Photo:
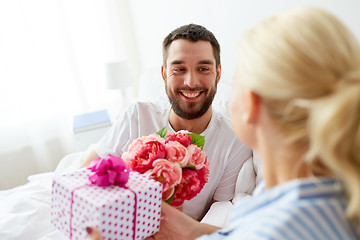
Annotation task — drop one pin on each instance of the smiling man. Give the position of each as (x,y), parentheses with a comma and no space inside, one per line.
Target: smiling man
(191,71)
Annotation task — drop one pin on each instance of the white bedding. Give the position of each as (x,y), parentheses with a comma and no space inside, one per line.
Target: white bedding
(25,210)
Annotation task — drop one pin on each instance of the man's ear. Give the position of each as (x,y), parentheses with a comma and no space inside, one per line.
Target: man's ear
(163,73)
(253,102)
(218,73)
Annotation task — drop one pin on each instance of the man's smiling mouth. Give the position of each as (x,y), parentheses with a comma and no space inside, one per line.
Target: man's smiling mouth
(191,94)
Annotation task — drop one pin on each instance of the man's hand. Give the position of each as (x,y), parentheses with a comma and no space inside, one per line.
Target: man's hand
(91,156)
(93,234)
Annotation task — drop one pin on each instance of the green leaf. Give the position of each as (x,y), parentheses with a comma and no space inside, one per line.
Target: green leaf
(197,139)
(192,167)
(169,200)
(162,132)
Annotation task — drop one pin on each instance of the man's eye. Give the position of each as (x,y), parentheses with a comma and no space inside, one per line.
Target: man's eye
(179,69)
(204,69)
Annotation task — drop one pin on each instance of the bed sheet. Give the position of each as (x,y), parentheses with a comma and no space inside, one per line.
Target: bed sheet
(25,210)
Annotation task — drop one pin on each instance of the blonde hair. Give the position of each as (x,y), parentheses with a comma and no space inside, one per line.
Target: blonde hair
(305,65)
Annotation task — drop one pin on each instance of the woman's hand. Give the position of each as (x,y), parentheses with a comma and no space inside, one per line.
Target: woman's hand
(174,225)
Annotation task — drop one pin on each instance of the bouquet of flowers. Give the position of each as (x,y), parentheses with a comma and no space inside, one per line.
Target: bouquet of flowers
(174,159)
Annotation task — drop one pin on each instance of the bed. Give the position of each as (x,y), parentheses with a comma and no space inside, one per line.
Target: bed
(25,210)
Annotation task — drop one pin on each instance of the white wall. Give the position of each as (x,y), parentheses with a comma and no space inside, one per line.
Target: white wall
(227,19)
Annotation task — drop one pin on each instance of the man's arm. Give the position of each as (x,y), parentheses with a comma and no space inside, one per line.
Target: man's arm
(236,164)
(91,156)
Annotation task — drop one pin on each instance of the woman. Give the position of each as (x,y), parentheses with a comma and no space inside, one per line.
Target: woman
(296,101)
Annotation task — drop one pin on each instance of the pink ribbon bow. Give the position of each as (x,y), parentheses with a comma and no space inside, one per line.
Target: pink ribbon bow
(109,171)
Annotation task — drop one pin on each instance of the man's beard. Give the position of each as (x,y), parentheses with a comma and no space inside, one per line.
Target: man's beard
(189,115)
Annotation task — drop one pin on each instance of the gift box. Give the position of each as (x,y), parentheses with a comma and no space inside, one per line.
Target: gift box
(128,212)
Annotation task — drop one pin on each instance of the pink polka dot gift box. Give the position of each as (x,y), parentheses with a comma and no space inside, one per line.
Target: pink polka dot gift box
(120,203)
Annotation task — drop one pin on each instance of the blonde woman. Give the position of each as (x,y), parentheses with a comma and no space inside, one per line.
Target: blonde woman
(296,101)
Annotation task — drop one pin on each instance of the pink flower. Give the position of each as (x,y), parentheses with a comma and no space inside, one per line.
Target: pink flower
(191,184)
(180,166)
(179,137)
(177,153)
(197,157)
(143,152)
(168,173)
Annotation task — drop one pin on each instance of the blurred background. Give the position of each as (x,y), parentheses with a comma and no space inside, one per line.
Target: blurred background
(61,58)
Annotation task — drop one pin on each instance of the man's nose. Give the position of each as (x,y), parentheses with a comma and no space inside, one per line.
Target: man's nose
(191,79)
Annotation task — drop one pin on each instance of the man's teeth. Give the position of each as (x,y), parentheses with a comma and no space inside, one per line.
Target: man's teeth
(191,95)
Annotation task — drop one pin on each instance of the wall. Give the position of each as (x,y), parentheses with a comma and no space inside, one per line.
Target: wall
(227,19)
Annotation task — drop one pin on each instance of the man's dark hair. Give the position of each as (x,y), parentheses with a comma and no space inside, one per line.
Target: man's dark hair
(192,32)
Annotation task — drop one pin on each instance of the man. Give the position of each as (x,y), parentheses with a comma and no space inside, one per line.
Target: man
(191,71)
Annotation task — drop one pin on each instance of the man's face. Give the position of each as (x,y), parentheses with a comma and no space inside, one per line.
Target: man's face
(190,77)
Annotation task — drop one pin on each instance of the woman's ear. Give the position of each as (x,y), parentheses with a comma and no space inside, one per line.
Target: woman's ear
(252,106)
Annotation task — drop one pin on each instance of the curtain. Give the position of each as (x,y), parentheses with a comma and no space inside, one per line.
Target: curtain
(53,55)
